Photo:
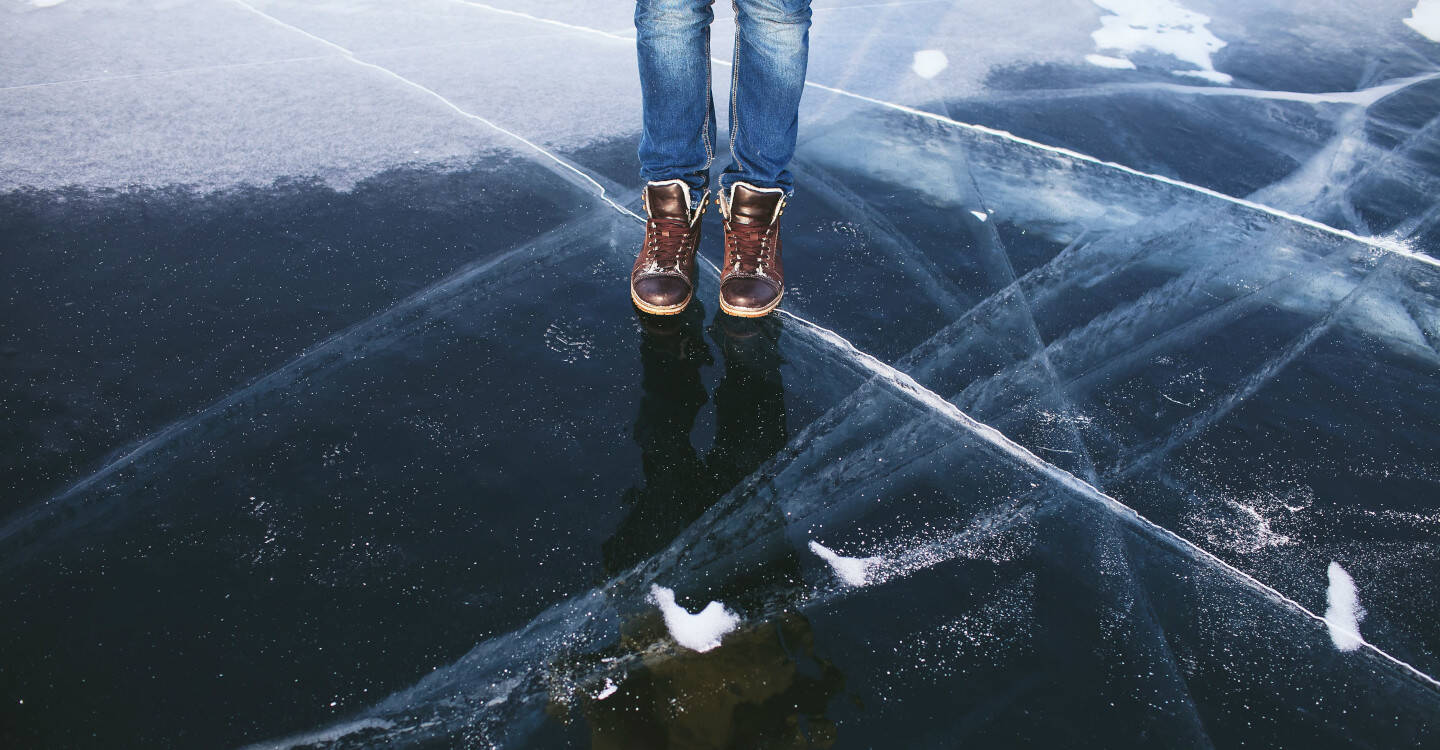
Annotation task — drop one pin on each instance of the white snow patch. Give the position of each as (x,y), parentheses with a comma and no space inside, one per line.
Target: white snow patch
(1343,612)
(1425,18)
(608,690)
(929,62)
(981,215)
(697,632)
(1162,26)
(45,3)
(1106,61)
(854,571)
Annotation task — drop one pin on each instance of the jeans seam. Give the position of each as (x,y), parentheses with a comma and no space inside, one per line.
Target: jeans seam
(705,131)
(734,98)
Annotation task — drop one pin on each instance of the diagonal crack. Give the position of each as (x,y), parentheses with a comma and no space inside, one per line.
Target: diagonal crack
(562,166)
(1140,458)
(341,347)
(909,259)
(1384,244)
(907,387)
(913,391)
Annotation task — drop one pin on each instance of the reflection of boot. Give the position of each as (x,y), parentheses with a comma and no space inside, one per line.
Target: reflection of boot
(749,402)
(764,687)
(672,350)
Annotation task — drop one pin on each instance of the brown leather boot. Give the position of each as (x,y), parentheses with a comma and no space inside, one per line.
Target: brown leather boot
(662,281)
(752,279)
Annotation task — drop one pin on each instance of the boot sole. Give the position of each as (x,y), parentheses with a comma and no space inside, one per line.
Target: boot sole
(653,310)
(751,312)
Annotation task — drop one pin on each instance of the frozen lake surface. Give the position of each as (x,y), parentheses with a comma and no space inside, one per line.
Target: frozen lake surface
(1103,409)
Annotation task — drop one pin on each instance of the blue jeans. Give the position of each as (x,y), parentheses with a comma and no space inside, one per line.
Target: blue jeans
(772,44)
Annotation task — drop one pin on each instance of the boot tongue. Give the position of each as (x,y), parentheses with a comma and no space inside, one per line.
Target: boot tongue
(753,206)
(669,200)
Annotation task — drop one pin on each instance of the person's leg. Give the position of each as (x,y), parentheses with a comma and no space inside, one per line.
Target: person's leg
(672,39)
(772,45)
(677,145)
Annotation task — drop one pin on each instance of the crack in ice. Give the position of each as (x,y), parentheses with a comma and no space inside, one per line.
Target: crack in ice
(888,375)
(1032,329)
(583,176)
(287,373)
(1250,385)
(1387,245)
(914,263)
(908,387)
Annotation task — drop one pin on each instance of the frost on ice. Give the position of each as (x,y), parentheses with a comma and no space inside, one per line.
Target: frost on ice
(854,571)
(1343,612)
(697,632)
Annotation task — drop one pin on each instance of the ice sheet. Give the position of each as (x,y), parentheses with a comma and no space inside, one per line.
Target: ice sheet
(1124,381)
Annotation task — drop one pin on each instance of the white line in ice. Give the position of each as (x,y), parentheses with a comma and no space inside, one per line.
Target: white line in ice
(1387,245)
(829,8)
(1175,401)
(1379,243)
(550,21)
(604,196)
(1362,97)
(286,373)
(252,64)
(180,426)
(897,378)
(924,396)
(1129,464)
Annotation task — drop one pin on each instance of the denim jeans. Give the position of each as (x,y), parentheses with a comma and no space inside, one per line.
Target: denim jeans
(772,44)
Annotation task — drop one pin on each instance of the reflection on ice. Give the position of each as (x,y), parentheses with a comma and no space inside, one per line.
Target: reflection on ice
(765,522)
(765,687)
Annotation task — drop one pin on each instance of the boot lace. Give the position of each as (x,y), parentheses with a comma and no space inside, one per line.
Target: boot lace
(666,240)
(749,246)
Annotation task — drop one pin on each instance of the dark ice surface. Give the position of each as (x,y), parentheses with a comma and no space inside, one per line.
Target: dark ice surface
(329,423)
